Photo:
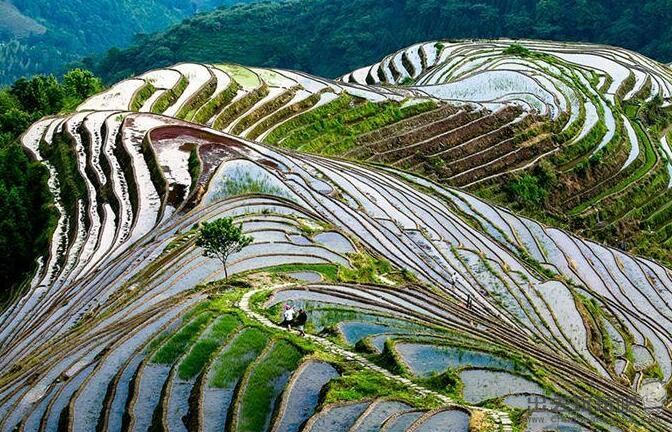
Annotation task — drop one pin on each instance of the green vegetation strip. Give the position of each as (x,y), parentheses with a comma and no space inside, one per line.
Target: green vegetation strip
(338,133)
(365,384)
(216,104)
(331,129)
(245,183)
(61,153)
(364,269)
(194,166)
(169,97)
(178,344)
(261,390)
(650,161)
(199,99)
(242,350)
(328,271)
(242,105)
(141,96)
(206,346)
(283,114)
(260,112)
(309,118)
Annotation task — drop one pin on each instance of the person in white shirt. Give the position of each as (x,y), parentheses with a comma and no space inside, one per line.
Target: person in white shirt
(288,317)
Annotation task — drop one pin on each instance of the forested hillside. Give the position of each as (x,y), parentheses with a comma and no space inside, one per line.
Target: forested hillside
(27,214)
(41,36)
(199,203)
(330,37)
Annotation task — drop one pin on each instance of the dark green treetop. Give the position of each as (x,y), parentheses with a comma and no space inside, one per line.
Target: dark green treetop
(222,238)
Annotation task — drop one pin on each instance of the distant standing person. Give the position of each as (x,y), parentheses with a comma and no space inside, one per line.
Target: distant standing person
(300,321)
(453,279)
(287,317)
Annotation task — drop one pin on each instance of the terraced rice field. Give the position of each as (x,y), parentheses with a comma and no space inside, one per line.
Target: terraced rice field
(476,114)
(127,326)
(592,132)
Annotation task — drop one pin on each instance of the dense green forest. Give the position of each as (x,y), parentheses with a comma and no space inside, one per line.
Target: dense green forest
(41,36)
(331,37)
(27,215)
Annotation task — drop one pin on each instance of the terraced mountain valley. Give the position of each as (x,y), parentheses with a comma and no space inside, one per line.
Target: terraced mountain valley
(480,232)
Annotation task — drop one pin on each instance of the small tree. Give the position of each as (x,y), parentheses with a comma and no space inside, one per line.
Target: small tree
(221,238)
(81,83)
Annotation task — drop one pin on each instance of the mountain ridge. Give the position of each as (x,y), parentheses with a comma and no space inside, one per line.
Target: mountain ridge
(54,33)
(335,40)
(425,301)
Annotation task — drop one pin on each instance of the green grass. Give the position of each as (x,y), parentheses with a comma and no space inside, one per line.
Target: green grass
(206,346)
(305,120)
(367,269)
(447,382)
(328,271)
(217,103)
(243,183)
(262,111)
(390,360)
(237,108)
(141,96)
(178,344)
(356,385)
(242,75)
(261,390)
(169,97)
(242,350)
(328,130)
(197,100)
(283,114)
(336,135)
(654,371)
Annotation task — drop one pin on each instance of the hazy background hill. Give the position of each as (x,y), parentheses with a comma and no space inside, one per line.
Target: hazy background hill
(331,37)
(326,37)
(38,36)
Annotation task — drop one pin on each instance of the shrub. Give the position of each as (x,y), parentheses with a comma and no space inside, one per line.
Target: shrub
(446,382)
(526,191)
(194,166)
(518,50)
(533,188)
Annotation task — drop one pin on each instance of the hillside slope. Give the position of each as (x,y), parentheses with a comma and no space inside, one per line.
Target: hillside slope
(331,37)
(430,308)
(14,24)
(42,36)
(575,135)
(602,164)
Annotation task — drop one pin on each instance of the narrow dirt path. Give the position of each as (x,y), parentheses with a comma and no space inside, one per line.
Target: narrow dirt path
(501,417)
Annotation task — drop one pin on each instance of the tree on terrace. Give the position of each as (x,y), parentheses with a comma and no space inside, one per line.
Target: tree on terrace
(222,238)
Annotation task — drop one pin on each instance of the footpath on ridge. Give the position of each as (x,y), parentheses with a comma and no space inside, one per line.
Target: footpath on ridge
(330,347)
